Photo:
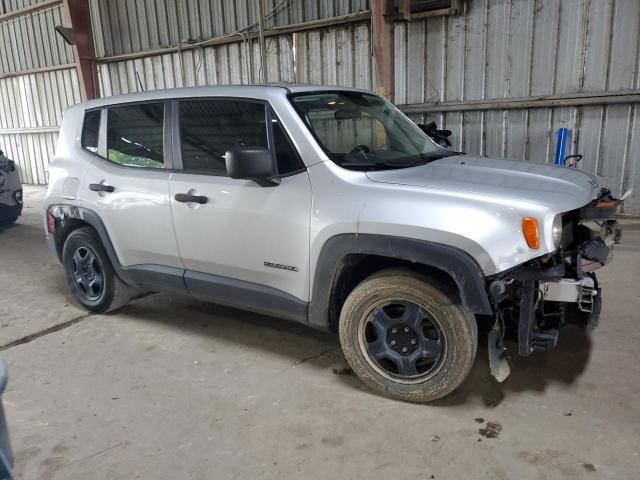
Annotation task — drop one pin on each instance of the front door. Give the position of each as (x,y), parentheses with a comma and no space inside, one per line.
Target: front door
(244,232)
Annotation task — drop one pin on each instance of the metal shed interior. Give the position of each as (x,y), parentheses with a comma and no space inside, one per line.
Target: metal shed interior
(503,75)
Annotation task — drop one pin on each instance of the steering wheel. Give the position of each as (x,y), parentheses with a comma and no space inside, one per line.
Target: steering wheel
(360,148)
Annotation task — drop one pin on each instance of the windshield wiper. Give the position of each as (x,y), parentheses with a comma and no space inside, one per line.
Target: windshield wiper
(423,159)
(437,156)
(372,164)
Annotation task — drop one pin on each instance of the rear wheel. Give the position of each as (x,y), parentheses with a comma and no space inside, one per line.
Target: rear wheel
(90,275)
(406,337)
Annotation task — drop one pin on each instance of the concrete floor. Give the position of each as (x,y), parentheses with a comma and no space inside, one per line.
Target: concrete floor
(174,388)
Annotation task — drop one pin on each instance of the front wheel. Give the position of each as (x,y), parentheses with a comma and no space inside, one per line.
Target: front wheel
(406,337)
(90,275)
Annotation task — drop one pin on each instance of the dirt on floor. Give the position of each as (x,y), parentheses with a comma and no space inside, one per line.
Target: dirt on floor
(170,387)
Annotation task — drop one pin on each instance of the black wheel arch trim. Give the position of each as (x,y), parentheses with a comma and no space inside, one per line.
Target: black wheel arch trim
(212,288)
(158,277)
(459,265)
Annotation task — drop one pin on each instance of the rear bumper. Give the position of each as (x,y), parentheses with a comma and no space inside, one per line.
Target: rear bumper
(9,211)
(10,204)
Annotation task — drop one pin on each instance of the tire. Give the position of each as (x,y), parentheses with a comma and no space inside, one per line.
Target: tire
(90,275)
(440,345)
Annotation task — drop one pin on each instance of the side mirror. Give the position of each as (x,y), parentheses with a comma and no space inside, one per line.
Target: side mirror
(252,163)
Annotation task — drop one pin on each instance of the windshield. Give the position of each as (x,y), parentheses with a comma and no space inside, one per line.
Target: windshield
(361,131)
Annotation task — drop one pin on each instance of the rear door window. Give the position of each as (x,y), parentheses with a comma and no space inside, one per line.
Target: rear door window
(134,135)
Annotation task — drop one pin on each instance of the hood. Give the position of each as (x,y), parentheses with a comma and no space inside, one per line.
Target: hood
(559,188)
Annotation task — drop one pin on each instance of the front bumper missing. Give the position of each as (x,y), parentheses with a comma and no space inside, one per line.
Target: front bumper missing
(576,301)
(582,292)
(535,300)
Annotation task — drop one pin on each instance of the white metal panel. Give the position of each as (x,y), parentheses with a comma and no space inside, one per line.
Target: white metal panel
(30,41)
(30,116)
(235,63)
(37,100)
(8,6)
(32,153)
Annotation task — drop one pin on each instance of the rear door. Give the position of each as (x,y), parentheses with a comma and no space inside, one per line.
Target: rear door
(127,184)
(244,231)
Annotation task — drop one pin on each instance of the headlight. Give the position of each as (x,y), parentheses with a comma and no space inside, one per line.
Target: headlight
(17,195)
(556,230)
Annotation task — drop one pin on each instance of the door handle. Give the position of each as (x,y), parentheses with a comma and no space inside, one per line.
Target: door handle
(187,198)
(99,187)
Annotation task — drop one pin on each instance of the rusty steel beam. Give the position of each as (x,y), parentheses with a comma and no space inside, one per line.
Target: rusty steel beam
(79,15)
(383,47)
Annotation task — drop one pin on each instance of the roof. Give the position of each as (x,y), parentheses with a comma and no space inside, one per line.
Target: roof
(249,91)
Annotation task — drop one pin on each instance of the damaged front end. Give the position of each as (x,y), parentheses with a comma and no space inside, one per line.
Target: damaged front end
(534,300)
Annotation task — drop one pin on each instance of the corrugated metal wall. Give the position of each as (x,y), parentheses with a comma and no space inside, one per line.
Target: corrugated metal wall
(499,49)
(506,49)
(30,41)
(31,104)
(122,27)
(30,117)
(343,52)
(7,6)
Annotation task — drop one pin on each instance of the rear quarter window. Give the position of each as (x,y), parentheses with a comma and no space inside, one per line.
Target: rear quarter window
(91,131)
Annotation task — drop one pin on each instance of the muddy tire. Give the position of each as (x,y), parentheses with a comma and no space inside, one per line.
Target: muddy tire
(407,337)
(90,275)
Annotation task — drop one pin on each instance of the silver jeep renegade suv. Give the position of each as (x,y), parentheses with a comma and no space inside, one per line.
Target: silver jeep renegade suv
(329,207)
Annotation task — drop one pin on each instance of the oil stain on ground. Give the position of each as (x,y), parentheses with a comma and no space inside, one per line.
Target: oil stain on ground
(491,429)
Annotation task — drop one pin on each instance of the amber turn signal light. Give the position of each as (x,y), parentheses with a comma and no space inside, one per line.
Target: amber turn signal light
(531,232)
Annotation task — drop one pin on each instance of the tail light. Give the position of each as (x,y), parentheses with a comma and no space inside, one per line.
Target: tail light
(51,223)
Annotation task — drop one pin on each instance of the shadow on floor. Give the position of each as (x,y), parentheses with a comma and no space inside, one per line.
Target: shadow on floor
(321,350)
(563,364)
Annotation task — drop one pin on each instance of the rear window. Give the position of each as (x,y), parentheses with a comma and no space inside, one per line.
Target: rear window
(134,135)
(91,130)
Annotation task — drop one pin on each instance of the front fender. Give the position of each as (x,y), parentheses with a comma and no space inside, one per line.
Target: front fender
(461,267)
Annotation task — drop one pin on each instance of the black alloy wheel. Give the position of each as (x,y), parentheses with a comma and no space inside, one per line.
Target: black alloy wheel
(88,273)
(403,340)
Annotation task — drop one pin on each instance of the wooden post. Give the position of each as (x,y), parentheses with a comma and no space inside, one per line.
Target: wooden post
(383,48)
(80,18)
